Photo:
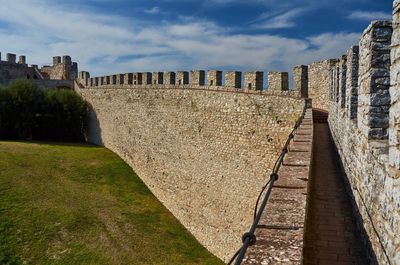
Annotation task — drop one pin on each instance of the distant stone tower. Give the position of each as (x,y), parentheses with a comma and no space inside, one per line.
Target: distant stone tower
(62,69)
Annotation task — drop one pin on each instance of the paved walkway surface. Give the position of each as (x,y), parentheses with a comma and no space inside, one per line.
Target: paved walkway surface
(280,231)
(331,235)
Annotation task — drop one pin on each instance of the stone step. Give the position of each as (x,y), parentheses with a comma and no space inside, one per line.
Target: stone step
(302,138)
(285,208)
(292,177)
(303,131)
(276,244)
(297,159)
(300,147)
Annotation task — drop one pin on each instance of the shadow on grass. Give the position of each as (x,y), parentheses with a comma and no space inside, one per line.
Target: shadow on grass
(53,143)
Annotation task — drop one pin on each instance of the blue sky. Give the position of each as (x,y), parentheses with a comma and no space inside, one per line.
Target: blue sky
(119,36)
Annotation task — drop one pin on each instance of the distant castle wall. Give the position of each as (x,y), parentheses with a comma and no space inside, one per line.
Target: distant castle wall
(10,69)
(62,73)
(63,69)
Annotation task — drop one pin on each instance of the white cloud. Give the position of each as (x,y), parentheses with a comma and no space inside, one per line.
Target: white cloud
(153,10)
(283,20)
(98,42)
(369,15)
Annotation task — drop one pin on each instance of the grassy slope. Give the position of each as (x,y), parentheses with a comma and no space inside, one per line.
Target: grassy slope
(79,204)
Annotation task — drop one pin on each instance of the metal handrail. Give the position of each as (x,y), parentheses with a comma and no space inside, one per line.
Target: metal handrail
(249,237)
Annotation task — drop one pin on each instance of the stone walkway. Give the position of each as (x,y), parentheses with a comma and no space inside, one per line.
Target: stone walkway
(331,235)
(280,231)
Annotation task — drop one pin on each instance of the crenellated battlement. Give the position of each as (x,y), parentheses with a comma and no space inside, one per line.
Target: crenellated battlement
(11,58)
(360,90)
(63,69)
(253,82)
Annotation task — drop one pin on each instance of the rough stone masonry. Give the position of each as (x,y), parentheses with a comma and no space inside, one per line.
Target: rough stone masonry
(205,154)
(204,149)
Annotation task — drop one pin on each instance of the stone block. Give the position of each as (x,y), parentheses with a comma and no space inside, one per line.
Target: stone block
(182,78)
(254,80)
(56,60)
(278,81)
(66,59)
(147,78)
(233,79)
(157,78)
(374,79)
(22,60)
(128,79)
(300,78)
(197,77)
(169,78)
(342,80)
(214,78)
(352,82)
(11,58)
(142,78)
(120,79)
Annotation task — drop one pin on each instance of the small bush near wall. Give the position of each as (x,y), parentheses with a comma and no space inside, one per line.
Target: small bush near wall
(28,112)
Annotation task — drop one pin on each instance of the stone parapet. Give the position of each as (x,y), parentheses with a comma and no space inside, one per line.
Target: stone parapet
(278,81)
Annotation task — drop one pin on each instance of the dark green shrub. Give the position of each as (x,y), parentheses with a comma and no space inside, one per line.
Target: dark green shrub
(28,112)
(6,113)
(65,114)
(27,100)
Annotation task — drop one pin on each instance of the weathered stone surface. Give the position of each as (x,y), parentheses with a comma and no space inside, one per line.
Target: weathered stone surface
(233,79)
(128,79)
(342,80)
(113,79)
(63,69)
(120,79)
(374,80)
(22,59)
(11,58)
(374,184)
(394,112)
(278,81)
(253,80)
(182,78)
(169,78)
(193,147)
(280,231)
(197,77)
(214,78)
(352,82)
(300,76)
(157,78)
(84,78)
(147,78)
(318,83)
(140,78)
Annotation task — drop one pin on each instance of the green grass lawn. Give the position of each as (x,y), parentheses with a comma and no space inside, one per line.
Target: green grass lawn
(80,204)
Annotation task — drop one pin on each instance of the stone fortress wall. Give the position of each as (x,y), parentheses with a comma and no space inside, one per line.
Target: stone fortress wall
(204,146)
(11,69)
(361,92)
(62,73)
(204,153)
(252,82)
(188,141)
(363,118)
